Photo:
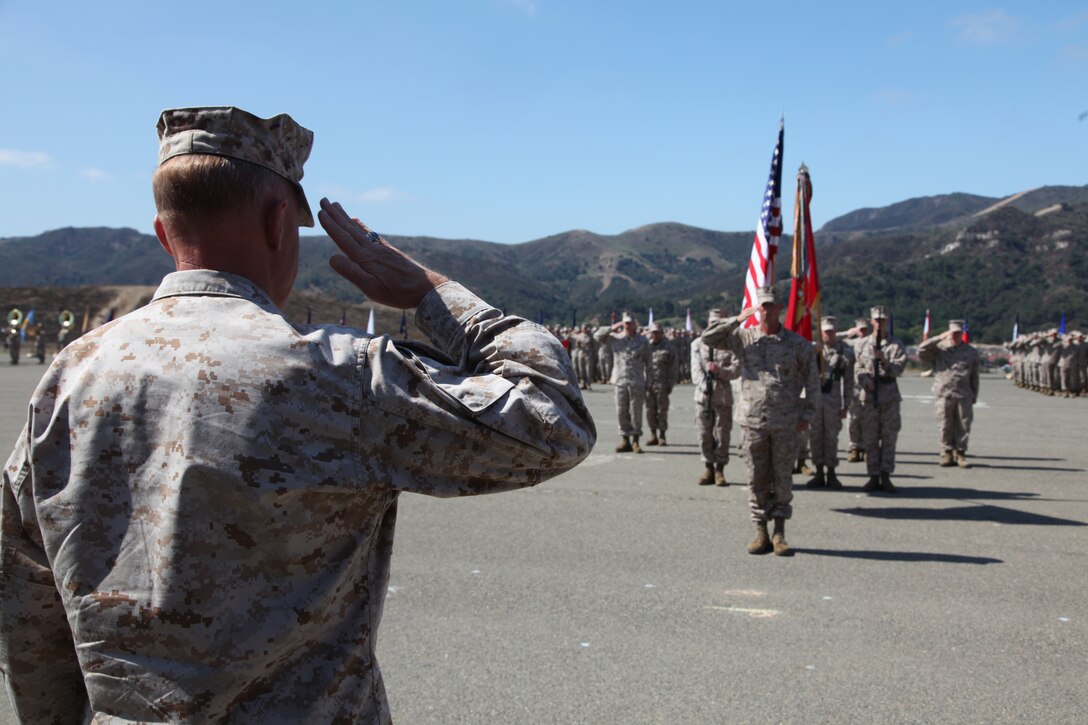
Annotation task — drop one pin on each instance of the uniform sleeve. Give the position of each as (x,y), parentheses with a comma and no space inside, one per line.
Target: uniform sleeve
(37,656)
(496,407)
(729,367)
(722,335)
(847,377)
(974,380)
(928,350)
(895,360)
(698,371)
(811,371)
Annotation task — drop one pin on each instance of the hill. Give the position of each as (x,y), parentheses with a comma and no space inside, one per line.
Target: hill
(956,254)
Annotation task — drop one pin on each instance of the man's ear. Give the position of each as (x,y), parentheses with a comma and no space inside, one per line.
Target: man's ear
(275,222)
(160,232)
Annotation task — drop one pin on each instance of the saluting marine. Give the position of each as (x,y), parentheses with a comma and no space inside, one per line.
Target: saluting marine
(955,387)
(711,373)
(880,360)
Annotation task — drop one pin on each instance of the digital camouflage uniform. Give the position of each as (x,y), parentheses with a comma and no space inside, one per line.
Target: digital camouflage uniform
(774,370)
(955,387)
(630,370)
(853,421)
(836,395)
(713,414)
(879,400)
(584,356)
(664,374)
(197,520)
(205,494)
(1068,356)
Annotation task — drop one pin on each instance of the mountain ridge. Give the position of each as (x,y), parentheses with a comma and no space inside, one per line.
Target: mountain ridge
(907,254)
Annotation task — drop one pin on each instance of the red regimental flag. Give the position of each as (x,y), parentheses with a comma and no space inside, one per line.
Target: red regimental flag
(804,302)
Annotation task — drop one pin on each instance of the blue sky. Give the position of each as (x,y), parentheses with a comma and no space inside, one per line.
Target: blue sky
(510,120)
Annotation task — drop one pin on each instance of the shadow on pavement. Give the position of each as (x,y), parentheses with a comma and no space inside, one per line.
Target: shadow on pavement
(963,493)
(901,556)
(995,514)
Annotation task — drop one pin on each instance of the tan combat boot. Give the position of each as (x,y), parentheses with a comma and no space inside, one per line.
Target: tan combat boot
(661,440)
(762,543)
(708,475)
(946,459)
(853,455)
(719,475)
(624,446)
(635,446)
(653,438)
(781,548)
(961,459)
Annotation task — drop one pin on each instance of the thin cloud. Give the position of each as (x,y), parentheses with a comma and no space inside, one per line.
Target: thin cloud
(1073,23)
(378,195)
(1075,53)
(94,174)
(993,28)
(528,7)
(23,159)
(895,97)
(899,39)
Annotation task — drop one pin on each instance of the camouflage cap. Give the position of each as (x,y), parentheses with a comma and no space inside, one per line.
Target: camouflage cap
(628,318)
(955,325)
(714,315)
(769,295)
(654,327)
(879,312)
(863,322)
(278,144)
(828,323)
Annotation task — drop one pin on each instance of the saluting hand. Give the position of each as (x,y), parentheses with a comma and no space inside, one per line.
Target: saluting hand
(382,272)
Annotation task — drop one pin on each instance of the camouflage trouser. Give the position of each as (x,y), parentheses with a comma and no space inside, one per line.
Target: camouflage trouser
(802,445)
(954,423)
(714,425)
(1068,378)
(585,365)
(824,436)
(629,400)
(770,455)
(1050,377)
(854,429)
(880,430)
(604,364)
(657,409)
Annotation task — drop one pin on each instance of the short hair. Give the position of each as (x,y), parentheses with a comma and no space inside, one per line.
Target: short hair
(205,186)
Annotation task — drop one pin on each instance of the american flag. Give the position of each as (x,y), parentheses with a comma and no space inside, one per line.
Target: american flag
(761,264)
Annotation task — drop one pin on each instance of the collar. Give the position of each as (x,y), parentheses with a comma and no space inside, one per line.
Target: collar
(209,282)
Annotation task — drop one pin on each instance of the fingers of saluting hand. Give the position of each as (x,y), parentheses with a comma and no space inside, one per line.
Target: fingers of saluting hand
(351,235)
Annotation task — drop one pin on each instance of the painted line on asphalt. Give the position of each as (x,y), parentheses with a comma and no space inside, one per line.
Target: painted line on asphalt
(755,614)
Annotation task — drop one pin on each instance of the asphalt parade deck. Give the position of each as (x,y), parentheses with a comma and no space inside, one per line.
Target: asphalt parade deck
(622,592)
